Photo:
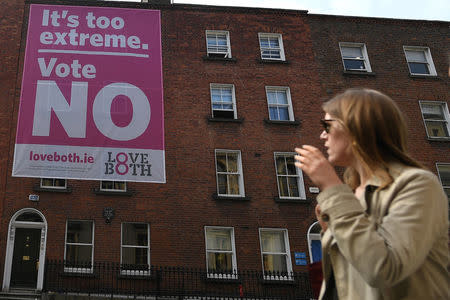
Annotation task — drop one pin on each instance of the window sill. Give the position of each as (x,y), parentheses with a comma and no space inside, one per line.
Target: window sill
(431,77)
(288,280)
(273,61)
(127,193)
(290,123)
(52,190)
(222,278)
(237,198)
(439,139)
(223,59)
(69,272)
(292,200)
(135,275)
(239,120)
(359,73)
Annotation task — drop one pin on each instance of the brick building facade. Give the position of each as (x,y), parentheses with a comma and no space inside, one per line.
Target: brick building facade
(306,71)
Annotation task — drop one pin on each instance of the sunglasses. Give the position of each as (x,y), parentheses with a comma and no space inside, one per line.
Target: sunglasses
(326,125)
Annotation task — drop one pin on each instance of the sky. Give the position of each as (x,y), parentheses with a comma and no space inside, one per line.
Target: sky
(400,9)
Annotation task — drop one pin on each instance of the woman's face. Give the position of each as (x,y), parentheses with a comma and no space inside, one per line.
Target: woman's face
(337,142)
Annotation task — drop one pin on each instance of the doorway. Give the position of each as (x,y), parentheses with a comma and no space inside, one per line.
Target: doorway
(25,251)
(25,262)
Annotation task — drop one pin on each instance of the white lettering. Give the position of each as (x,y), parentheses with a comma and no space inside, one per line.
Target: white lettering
(101,111)
(71,116)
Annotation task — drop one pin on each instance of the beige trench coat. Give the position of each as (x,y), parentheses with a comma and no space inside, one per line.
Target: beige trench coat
(392,244)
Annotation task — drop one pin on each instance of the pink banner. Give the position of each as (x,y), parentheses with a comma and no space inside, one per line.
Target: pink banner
(92,88)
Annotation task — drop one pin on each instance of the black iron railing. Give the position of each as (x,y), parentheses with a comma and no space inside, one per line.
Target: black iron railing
(108,278)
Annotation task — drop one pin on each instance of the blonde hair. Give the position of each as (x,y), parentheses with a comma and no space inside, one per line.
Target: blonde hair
(377,129)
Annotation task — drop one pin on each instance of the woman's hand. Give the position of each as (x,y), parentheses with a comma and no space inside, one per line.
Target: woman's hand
(316,166)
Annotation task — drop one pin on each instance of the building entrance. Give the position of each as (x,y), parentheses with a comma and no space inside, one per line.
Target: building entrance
(25,263)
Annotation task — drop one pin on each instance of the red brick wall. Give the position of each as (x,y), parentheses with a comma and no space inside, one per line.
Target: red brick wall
(178,210)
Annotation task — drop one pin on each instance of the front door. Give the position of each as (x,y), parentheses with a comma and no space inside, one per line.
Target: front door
(25,262)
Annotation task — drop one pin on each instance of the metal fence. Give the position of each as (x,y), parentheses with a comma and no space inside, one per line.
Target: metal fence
(109,278)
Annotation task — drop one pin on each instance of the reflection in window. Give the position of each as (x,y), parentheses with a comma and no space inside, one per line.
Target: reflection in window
(135,246)
(79,244)
(220,250)
(289,177)
(53,183)
(229,169)
(436,118)
(279,103)
(275,253)
(108,185)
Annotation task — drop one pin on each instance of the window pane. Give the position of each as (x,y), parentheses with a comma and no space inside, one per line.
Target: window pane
(437,129)
(283,186)
(281,97)
(135,234)
(281,165)
(222,182)
(47,182)
(444,174)
(351,64)
(29,217)
(134,256)
(418,68)
(273,241)
(78,254)
(232,162)
(416,56)
(119,185)
(60,182)
(273,113)
(107,185)
(233,181)
(433,111)
(217,239)
(290,165)
(283,113)
(79,232)
(220,262)
(221,159)
(264,42)
(273,42)
(274,54)
(293,187)
(352,52)
(274,263)
(272,97)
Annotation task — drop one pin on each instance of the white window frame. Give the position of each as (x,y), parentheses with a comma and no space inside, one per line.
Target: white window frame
(113,190)
(280,42)
(287,90)
(130,271)
(76,269)
(446,119)
(233,253)
(53,186)
(299,177)
(428,57)
(233,97)
(239,172)
(365,57)
(210,52)
(287,254)
(439,173)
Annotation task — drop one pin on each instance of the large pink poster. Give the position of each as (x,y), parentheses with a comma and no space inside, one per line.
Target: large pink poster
(92,95)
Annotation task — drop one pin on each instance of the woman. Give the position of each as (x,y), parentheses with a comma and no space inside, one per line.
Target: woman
(385,230)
